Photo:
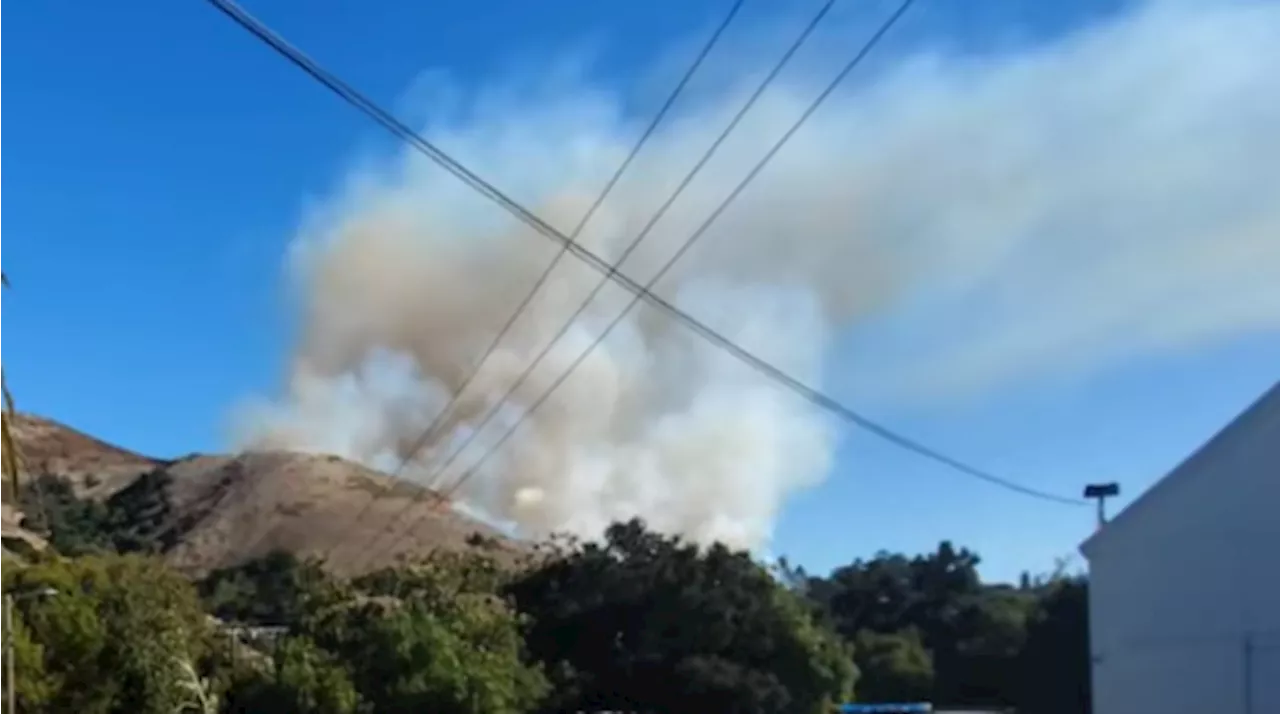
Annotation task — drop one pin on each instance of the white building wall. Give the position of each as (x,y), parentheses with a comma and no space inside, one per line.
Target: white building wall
(1185,586)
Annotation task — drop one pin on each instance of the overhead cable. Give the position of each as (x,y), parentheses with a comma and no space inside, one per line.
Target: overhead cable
(814,396)
(432,429)
(821,400)
(496,407)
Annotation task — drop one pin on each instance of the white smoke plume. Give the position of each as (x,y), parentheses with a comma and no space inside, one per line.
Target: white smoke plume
(1106,196)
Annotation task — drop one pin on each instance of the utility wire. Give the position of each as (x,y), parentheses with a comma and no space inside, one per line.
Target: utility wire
(433,152)
(397,128)
(430,432)
(814,396)
(494,410)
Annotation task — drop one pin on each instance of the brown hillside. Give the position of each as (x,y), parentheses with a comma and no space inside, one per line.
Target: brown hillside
(233,509)
(97,469)
(224,510)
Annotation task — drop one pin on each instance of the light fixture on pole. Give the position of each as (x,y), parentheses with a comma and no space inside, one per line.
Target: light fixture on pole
(1100,492)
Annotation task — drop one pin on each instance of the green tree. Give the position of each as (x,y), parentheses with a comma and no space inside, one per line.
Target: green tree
(303,679)
(139,515)
(272,590)
(978,636)
(1054,664)
(73,526)
(432,637)
(110,640)
(878,595)
(134,520)
(201,697)
(648,623)
(978,663)
(893,667)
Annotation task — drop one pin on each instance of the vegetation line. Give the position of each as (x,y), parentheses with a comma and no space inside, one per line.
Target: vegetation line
(636,622)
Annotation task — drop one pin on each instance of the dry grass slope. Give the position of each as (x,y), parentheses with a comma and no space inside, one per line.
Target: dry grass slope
(96,469)
(226,509)
(239,507)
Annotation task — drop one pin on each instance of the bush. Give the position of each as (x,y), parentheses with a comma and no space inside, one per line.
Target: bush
(272,590)
(303,680)
(134,520)
(112,639)
(651,623)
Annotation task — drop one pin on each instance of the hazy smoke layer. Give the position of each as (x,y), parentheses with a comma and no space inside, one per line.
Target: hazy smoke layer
(1102,197)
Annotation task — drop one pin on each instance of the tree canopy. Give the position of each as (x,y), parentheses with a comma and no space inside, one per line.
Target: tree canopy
(927,628)
(133,520)
(637,621)
(642,622)
(104,634)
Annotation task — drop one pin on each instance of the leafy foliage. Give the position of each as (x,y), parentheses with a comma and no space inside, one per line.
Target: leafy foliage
(432,637)
(110,632)
(139,515)
(894,667)
(200,697)
(647,623)
(639,622)
(930,620)
(134,520)
(636,622)
(273,590)
(73,525)
(1054,663)
(304,679)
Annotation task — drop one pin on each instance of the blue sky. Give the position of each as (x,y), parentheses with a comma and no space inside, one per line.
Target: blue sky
(159,160)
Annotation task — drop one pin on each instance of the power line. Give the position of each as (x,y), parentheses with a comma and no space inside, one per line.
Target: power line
(814,396)
(433,152)
(397,128)
(471,179)
(493,411)
(433,427)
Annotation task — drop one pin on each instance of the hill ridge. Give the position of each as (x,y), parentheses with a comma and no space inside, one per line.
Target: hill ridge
(221,510)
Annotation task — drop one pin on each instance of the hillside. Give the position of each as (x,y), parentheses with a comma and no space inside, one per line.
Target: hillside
(95,468)
(234,508)
(213,511)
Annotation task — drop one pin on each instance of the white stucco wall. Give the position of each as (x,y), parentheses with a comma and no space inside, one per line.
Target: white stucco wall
(1185,585)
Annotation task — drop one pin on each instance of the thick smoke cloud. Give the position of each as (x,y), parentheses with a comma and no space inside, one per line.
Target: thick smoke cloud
(1100,198)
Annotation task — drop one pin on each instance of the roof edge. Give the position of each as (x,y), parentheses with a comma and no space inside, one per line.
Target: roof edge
(1182,471)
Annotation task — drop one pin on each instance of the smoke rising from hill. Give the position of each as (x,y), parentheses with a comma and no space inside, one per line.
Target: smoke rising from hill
(1100,198)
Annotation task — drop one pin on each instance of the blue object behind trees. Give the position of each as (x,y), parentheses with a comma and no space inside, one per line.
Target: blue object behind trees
(885,708)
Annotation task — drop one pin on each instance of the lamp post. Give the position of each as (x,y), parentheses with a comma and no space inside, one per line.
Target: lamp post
(9,672)
(1101,492)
